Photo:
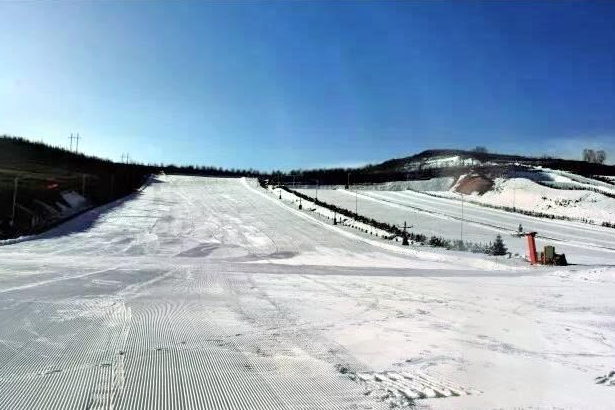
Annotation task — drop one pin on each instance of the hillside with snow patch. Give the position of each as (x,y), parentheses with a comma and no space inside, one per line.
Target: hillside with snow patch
(527,195)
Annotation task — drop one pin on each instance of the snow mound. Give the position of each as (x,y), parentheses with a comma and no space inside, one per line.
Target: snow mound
(432,184)
(527,195)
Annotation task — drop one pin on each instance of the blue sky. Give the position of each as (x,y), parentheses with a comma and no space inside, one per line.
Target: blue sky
(303,84)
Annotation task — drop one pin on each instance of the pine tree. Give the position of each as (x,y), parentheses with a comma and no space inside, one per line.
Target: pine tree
(498,248)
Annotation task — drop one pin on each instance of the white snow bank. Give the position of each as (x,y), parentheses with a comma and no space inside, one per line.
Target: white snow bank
(527,195)
(433,184)
(442,162)
(563,179)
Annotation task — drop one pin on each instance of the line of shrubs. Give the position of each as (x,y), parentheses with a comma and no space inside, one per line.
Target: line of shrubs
(392,229)
(492,248)
(495,248)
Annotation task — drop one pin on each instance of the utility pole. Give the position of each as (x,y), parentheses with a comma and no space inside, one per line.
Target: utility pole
(514,198)
(334,217)
(404,240)
(71,141)
(356,202)
(15,184)
(461,217)
(348,182)
(112,186)
(77,138)
(317,190)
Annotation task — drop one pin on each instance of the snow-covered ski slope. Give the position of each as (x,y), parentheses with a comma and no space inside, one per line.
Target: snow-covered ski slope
(173,299)
(582,243)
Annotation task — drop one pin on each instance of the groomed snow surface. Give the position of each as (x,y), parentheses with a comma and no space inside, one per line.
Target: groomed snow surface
(204,293)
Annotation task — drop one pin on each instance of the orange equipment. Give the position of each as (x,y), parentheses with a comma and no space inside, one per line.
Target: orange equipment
(531,245)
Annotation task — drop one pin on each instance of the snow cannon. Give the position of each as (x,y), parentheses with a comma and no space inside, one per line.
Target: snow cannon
(547,256)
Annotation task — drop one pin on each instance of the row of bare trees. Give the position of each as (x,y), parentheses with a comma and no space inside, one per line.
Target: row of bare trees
(595,157)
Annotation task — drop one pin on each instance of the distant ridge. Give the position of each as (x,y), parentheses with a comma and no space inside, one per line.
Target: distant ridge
(495,158)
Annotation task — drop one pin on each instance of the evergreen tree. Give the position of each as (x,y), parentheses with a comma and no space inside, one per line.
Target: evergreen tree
(498,248)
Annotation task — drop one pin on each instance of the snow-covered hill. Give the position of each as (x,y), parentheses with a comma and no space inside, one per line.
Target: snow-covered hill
(546,187)
(526,195)
(544,192)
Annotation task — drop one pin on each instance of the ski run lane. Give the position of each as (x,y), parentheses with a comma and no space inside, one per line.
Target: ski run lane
(208,293)
(582,243)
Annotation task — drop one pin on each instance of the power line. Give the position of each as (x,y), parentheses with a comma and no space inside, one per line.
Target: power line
(76,138)
(16,183)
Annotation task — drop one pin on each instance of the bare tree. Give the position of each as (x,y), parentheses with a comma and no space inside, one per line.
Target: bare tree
(595,157)
(589,155)
(592,156)
(586,154)
(600,156)
(480,149)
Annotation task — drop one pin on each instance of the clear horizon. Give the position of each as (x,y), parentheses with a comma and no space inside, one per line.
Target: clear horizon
(279,85)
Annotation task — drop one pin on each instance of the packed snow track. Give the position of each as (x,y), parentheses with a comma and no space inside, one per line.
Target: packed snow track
(210,293)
